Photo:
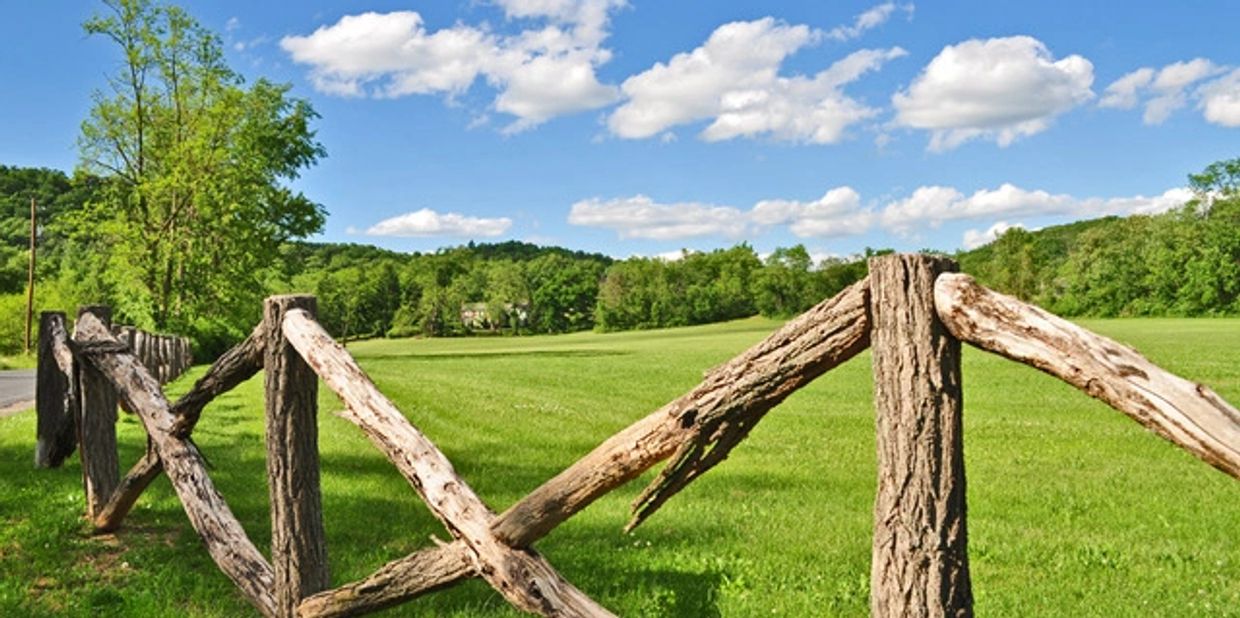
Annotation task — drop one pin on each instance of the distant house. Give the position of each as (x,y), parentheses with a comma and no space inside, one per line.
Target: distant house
(476,316)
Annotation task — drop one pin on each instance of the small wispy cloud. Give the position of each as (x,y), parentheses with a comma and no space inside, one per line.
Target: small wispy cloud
(868,20)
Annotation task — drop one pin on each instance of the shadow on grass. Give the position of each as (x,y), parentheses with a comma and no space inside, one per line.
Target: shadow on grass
(372,516)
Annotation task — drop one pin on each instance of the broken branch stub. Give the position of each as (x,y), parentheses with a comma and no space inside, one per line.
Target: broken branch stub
(725,407)
(1187,414)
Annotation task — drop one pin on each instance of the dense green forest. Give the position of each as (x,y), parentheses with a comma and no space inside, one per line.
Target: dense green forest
(1185,262)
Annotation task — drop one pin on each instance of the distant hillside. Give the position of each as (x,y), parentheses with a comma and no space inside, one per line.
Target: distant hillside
(1185,262)
(1025,263)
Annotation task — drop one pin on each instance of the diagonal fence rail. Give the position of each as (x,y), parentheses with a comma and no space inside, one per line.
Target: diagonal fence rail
(914,311)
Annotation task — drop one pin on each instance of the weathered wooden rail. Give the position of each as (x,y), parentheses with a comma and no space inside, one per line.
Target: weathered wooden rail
(913,310)
(58,390)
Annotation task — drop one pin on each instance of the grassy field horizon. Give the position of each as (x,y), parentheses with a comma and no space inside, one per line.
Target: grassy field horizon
(1073,508)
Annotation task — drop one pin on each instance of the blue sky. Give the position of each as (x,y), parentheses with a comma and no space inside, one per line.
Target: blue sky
(646,127)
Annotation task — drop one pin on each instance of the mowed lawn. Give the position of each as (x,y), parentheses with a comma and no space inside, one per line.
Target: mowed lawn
(1074,510)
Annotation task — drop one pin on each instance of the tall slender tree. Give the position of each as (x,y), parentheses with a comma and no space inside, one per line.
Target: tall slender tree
(197,163)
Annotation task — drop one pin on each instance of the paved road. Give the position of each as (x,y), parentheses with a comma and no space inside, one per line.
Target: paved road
(16,387)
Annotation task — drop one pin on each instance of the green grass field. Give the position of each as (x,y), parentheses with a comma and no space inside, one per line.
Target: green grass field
(1074,510)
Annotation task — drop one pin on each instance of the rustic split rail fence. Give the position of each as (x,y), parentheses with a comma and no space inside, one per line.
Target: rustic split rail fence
(914,311)
(166,357)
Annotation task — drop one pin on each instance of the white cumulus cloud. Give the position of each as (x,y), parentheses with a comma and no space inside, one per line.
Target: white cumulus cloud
(641,217)
(933,205)
(873,18)
(733,79)
(837,213)
(1001,89)
(538,73)
(976,238)
(427,222)
(841,212)
(1162,91)
(1220,100)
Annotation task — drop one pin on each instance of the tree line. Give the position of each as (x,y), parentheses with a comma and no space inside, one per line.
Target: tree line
(1185,262)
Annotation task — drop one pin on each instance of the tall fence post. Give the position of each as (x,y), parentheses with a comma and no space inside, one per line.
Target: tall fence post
(101,471)
(920,558)
(298,544)
(55,393)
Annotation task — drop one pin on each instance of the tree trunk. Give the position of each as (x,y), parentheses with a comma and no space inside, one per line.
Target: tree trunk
(56,400)
(97,426)
(1187,414)
(298,544)
(920,560)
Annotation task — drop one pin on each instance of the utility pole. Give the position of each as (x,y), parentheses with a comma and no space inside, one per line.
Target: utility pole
(30,278)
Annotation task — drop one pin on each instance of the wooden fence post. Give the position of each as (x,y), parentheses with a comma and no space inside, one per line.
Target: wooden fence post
(55,393)
(165,353)
(137,344)
(161,357)
(101,471)
(298,544)
(920,557)
(178,367)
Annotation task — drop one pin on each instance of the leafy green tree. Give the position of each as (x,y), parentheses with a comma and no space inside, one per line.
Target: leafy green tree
(195,162)
(56,195)
(630,294)
(1221,179)
(563,292)
(785,286)
(507,294)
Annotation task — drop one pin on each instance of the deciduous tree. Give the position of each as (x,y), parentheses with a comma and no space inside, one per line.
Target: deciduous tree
(197,163)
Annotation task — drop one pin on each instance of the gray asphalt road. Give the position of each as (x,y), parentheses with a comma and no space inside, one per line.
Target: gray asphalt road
(16,386)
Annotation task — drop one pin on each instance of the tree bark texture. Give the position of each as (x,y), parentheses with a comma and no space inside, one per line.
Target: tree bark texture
(724,407)
(143,473)
(737,392)
(298,543)
(56,400)
(920,563)
(1188,414)
(396,582)
(97,425)
(210,516)
(229,370)
(522,576)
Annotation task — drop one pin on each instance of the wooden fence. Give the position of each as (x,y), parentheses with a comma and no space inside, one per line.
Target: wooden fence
(165,357)
(914,311)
